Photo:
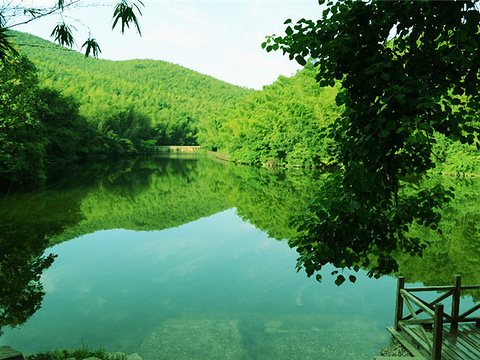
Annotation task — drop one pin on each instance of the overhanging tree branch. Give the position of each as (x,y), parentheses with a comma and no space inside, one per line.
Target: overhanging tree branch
(405,68)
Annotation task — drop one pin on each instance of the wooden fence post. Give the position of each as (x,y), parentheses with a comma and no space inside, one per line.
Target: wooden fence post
(399,302)
(437,333)
(456,302)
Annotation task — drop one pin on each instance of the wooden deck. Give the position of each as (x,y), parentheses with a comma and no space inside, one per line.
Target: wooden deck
(428,332)
(463,343)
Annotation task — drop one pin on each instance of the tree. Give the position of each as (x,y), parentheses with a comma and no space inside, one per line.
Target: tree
(22,146)
(21,265)
(13,14)
(408,70)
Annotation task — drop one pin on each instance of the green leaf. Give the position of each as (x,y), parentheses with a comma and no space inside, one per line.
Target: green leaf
(352,278)
(301,60)
(63,34)
(384,133)
(456,101)
(91,46)
(6,47)
(124,12)
(391,125)
(339,280)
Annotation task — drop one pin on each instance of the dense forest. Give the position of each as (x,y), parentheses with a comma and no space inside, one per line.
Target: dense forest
(59,107)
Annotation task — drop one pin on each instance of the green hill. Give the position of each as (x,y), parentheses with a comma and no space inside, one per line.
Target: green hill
(284,124)
(172,98)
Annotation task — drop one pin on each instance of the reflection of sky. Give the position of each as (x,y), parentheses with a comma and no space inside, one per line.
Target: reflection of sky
(111,288)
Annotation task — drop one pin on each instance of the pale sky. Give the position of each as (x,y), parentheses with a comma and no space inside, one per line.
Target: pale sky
(219,38)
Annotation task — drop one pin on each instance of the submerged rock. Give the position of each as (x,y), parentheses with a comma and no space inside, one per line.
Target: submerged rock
(134,356)
(194,338)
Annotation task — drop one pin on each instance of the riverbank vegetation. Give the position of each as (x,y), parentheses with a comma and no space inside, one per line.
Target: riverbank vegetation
(81,353)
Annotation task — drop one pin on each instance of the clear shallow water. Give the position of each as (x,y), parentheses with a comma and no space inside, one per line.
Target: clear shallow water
(215,288)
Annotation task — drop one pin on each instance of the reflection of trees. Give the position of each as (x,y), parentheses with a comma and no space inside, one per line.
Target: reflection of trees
(27,222)
(21,266)
(457,250)
(154,194)
(268,199)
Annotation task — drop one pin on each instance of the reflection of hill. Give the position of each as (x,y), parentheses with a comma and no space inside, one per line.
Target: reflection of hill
(268,199)
(170,192)
(167,193)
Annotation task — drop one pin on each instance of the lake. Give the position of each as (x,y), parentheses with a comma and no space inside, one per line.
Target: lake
(185,257)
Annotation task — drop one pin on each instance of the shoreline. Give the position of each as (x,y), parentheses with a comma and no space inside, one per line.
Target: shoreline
(393,349)
(8,353)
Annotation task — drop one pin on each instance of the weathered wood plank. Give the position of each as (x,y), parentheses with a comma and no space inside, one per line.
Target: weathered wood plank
(418,338)
(438,333)
(431,288)
(461,344)
(399,302)
(430,305)
(461,349)
(471,311)
(406,343)
(7,353)
(396,358)
(470,287)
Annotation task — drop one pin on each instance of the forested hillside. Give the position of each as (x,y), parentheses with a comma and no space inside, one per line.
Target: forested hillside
(284,124)
(59,107)
(169,98)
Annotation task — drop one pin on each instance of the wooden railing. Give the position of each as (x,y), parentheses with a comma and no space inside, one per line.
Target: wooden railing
(436,317)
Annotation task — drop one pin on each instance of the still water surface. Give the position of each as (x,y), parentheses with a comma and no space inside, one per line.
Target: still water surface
(185,260)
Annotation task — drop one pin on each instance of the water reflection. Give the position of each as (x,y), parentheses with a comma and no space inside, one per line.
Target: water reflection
(27,221)
(197,260)
(456,251)
(214,288)
(21,265)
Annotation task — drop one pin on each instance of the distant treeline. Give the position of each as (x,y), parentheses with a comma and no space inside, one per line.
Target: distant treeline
(59,107)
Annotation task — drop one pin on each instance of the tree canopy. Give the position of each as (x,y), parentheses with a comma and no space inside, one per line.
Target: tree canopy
(408,70)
